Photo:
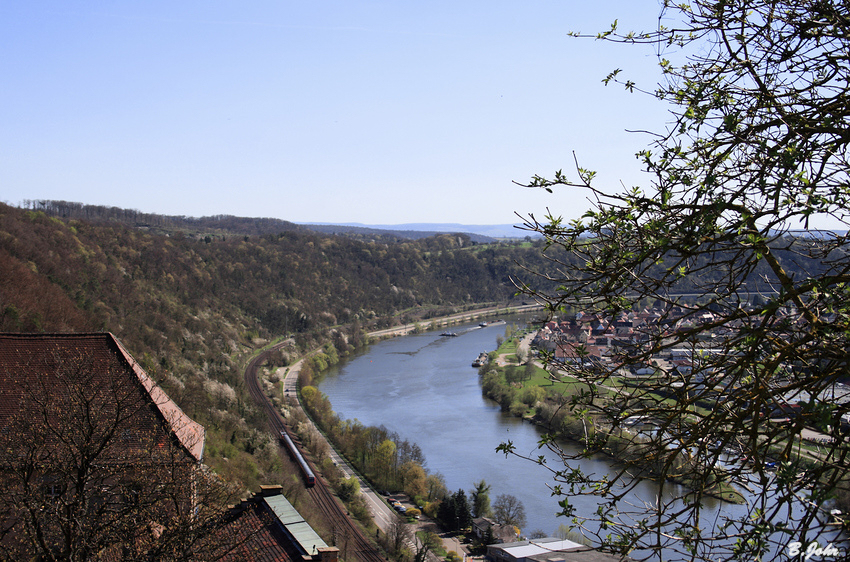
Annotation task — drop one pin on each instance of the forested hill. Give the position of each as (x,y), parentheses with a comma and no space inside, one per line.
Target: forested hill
(144,284)
(184,293)
(218,225)
(185,300)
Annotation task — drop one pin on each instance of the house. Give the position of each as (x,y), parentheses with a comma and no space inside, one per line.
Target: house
(573,353)
(549,549)
(94,456)
(485,529)
(575,333)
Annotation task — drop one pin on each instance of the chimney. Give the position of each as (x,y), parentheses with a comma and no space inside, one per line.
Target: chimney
(328,554)
(267,490)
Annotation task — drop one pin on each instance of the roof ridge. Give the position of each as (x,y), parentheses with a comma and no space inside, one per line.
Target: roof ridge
(31,335)
(189,433)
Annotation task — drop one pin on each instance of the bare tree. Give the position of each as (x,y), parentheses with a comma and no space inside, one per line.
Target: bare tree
(90,470)
(428,543)
(508,510)
(398,536)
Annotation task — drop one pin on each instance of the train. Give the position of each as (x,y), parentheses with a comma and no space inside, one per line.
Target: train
(309,477)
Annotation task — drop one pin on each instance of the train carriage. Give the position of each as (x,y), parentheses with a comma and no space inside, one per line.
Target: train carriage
(309,477)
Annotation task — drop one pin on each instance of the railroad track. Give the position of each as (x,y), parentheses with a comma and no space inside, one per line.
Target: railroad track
(347,535)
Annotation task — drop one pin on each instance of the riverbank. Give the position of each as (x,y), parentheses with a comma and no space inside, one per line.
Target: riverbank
(422,388)
(453,320)
(623,447)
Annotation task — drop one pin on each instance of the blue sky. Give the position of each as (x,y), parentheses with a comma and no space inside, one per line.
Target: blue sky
(371,112)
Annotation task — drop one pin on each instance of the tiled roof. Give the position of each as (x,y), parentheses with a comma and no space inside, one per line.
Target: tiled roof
(251,534)
(190,433)
(25,358)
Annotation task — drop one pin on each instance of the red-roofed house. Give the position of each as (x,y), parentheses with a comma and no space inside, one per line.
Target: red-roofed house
(95,459)
(574,353)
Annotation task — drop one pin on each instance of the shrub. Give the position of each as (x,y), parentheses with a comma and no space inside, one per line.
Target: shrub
(518,409)
(412,512)
(431,509)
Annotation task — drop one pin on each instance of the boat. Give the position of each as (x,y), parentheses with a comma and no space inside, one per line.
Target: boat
(449,334)
(480,360)
(483,324)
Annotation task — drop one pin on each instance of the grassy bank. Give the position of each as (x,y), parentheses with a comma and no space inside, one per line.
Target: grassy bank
(544,397)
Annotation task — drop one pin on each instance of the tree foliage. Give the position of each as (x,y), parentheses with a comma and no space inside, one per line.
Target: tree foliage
(757,148)
(382,456)
(454,512)
(480,495)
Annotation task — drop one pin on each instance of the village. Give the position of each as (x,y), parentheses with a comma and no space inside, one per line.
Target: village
(595,341)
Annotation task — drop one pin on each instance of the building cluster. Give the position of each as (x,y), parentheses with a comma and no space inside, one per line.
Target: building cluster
(549,549)
(588,340)
(592,337)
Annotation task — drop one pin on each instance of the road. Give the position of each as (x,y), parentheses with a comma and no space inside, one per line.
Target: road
(459,318)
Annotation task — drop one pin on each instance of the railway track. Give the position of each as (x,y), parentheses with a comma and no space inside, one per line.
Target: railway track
(347,535)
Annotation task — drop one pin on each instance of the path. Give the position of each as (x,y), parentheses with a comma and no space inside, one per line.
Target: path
(459,318)
(523,348)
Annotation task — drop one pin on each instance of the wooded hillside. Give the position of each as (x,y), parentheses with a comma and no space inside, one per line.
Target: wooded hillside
(188,296)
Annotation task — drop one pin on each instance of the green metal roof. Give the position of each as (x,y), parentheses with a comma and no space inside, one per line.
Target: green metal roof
(295,524)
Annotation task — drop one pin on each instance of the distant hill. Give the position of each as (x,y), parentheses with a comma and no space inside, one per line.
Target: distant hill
(414,231)
(254,226)
(161,224)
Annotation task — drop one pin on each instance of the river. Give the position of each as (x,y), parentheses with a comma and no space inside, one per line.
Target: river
(424,388)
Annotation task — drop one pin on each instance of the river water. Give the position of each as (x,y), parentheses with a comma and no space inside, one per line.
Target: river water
(424,388)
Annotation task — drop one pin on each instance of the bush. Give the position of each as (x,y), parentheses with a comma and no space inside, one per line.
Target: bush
(412,512)
(358,509)
(531,395)
(518,409)
(572,427)
(431,509)
(348,489)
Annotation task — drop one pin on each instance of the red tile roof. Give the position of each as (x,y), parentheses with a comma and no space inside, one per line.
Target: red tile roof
(252,534)
(30,358)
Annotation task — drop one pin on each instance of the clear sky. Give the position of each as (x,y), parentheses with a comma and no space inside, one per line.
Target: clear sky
(373,112)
